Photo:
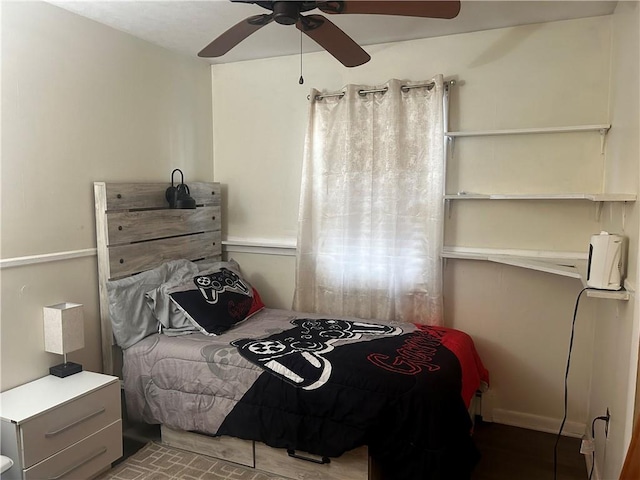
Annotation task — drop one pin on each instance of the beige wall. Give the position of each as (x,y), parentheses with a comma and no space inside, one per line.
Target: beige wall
(617,326)
(545,75)
(81,102)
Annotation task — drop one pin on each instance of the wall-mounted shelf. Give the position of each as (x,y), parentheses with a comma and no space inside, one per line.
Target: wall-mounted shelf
(608,294)
(528,131)
(622,294)
(594,197)
(566,264)
(602,129)
(599,198)
(558,263)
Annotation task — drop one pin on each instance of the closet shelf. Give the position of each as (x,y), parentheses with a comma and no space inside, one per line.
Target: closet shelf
(567,264)
(526,131)
(594,197)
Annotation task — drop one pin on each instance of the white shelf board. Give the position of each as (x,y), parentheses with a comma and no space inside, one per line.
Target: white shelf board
(608,294)
(528,131)
(482,253)
(540,266)
(594,197)
(566,264)
(622,294)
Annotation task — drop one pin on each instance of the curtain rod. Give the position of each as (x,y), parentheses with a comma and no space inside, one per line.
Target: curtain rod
(429,86)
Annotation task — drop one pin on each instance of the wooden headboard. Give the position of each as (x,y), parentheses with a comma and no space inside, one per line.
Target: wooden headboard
(137,231)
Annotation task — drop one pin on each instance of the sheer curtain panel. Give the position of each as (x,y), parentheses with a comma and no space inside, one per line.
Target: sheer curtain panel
(371,204)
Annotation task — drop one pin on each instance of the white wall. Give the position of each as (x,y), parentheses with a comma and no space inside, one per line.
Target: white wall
(617,326)
(553,74)
(81,102)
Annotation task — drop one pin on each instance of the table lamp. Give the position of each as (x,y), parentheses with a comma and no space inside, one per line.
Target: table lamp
(64,333)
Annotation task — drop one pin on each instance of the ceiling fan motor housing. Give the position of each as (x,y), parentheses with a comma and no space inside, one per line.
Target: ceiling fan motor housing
(286,13)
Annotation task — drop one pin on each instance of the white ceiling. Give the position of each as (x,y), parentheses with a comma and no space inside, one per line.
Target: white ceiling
(187,26)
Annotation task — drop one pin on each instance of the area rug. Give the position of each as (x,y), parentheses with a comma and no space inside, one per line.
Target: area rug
(159,462)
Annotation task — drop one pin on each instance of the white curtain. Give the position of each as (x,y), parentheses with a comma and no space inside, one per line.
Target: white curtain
(371,206)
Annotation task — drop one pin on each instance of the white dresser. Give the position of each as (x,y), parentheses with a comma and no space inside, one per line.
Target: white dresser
(61,428)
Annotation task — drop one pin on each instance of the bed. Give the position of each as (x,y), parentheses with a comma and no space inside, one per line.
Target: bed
(295,394)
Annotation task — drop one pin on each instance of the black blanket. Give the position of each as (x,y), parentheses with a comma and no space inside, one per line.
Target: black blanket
(332,385)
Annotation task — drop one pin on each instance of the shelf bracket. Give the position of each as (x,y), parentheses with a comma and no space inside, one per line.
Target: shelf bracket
(603,133)
(598,210)
(450,143)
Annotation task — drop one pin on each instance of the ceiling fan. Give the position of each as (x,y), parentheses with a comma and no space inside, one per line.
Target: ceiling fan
(320,29)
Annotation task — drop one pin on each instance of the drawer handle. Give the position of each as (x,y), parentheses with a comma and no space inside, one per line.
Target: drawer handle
(321,461)
(81,463)
(71,425)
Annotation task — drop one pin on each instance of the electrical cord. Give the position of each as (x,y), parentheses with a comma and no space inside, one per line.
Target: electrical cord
(566,389)
(593,438)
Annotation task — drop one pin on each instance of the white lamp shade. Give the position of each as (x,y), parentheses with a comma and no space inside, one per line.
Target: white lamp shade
(63,328)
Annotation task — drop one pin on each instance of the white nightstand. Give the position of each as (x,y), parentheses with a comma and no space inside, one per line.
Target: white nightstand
(62,428)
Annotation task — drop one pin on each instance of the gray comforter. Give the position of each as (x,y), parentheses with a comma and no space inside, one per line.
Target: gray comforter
(319,385)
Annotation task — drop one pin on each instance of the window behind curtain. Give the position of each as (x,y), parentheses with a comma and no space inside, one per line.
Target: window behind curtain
(371,209)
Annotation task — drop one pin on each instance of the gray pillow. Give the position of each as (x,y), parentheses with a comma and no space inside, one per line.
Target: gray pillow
(173,320)
(131,318)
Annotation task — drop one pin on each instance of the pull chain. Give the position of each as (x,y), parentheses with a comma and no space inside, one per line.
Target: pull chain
(301,80)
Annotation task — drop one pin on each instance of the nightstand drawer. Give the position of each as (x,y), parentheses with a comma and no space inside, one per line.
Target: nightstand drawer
(69,423)
(83,459)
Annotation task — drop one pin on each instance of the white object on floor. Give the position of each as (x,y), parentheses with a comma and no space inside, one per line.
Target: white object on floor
(5,463)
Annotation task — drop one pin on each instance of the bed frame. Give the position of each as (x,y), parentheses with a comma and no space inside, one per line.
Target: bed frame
(137,231)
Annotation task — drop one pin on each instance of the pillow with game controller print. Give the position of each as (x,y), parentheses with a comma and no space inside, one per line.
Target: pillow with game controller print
(172,320)
(216,299)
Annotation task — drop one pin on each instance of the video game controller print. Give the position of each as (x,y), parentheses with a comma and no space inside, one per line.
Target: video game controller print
(296,355)
(213,284)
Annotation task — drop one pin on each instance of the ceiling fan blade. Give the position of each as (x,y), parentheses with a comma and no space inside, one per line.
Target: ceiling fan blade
(235,35)
(333,40)
(430,9)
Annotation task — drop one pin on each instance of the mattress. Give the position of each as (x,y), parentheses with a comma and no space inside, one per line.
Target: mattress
(320,385)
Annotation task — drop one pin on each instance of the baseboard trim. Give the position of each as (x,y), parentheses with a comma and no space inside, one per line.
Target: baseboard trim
(537,422)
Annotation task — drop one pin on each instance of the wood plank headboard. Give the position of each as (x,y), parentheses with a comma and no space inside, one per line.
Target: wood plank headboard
(137,231)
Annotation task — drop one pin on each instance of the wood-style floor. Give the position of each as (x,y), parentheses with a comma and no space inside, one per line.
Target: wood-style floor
(508,453)
(511,453)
